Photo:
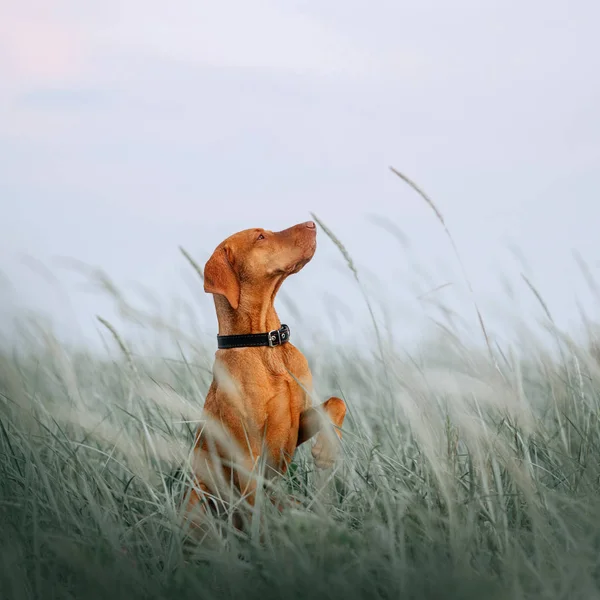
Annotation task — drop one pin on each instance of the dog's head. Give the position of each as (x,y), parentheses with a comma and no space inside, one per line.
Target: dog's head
(252,260)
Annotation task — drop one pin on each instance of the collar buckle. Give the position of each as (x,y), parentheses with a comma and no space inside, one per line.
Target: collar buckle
(278,336)
(274,338)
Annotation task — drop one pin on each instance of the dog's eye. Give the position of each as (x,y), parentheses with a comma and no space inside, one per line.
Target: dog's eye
(260,237)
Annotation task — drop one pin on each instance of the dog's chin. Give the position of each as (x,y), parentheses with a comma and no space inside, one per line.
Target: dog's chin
(298,267)
(302,262)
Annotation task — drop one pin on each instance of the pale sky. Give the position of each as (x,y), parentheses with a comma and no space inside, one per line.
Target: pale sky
(130,128)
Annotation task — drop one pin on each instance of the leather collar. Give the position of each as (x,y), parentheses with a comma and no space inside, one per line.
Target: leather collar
(277,337)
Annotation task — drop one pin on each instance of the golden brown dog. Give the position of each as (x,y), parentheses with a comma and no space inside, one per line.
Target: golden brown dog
(258,403)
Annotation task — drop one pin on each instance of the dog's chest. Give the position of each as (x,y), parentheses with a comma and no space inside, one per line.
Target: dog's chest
(274,391)
(271,385)
(263,367)
(266,391)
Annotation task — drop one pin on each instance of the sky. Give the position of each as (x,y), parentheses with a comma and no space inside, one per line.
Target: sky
(129,129)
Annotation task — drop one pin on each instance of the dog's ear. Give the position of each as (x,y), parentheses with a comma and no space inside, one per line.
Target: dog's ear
(220,278)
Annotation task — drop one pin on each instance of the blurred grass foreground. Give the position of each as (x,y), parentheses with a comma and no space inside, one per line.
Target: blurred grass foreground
(465,473)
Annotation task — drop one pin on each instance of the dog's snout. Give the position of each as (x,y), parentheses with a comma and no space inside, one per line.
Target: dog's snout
(301,229)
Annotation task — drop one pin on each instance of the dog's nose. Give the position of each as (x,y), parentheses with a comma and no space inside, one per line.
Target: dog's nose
(310,224)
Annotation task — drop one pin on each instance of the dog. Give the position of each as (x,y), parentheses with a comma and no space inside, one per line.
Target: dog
(258,407)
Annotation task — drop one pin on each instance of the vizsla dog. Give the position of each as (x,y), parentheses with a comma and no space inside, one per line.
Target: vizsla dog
(258,403)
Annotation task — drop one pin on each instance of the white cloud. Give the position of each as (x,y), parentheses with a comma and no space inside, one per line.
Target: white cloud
(38,48)
(40,45)
(259,34)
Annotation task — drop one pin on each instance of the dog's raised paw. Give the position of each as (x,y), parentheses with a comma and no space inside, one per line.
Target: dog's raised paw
(324,453)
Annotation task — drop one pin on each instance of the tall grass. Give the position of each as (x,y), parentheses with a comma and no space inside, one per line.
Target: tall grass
(462,475)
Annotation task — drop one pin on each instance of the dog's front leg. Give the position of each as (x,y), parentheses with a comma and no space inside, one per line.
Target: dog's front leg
(318,421)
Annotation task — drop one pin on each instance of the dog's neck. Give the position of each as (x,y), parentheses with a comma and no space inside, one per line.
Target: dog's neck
(254,314)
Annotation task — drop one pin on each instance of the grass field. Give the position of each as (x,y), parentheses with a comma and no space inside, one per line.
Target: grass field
(464,474)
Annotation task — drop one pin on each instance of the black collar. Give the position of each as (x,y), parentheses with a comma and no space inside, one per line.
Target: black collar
(245,340)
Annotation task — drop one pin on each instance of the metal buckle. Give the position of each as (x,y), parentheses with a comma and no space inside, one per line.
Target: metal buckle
(278,336)
(274,338)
